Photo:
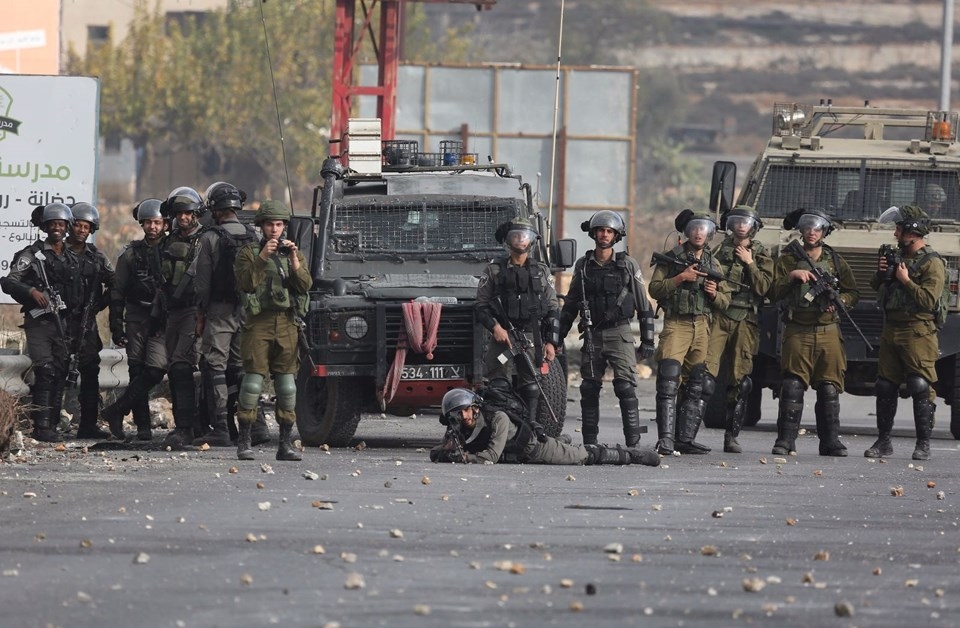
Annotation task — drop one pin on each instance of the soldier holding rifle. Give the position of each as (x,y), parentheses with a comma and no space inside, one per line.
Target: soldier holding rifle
(607,291)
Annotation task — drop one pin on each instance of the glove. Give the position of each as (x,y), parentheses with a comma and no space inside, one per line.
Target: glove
(645,352)
(538,431)
(119,339)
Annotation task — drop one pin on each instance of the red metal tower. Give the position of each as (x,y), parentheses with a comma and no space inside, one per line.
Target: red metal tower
(386,46)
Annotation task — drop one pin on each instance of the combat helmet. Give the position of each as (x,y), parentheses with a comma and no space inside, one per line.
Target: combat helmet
(147,208)
(87,212)
(518,235)
(910,219)
(224,196)
(607,219)
(743,213)
(55,211)
(272,210)
(688,219)
(180,200)
(801,219)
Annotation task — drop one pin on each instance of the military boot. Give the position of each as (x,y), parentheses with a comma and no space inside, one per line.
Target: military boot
(886,411)
(590,411)
(735,412)
(688,424)
(40,393)
(828,421)
(286,451)
(600,454)
(219,436)
(244,448)
(923,410)
(630,415)
(788,419)
(666,423)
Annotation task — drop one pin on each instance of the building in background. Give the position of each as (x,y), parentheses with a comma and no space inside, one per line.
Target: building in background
(30,37)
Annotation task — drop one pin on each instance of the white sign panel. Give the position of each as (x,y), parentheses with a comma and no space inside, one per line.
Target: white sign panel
(23,39)
(48,151)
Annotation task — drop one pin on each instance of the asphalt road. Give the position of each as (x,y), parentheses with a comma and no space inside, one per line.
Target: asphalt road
(382,537)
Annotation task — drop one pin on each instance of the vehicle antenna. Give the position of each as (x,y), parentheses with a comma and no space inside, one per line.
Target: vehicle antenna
(556,109)
(276,104)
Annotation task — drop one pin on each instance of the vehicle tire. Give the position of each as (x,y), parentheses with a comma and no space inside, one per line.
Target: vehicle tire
(955,402)
(328,409)
(754,410)
(555,390)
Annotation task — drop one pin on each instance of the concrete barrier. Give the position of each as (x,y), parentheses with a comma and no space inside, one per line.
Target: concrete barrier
(16,376)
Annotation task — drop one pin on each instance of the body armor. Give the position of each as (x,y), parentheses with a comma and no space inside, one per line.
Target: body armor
(520,288)
(179,253)
(894,298)
(689,299)
(743,302)
(146,271)
(608,291)
(272,294)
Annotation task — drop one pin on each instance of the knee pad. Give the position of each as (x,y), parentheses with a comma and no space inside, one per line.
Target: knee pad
(590,388)
(623,389)
(181,371)
(668,378)
(695,385)
(918,387)
(709,384)
(792,388)
(745,387)
(250,389)
(529,391)
(828,392)
(285,385)
(886,389)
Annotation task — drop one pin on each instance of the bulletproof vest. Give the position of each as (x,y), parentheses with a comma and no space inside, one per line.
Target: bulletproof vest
(892,295)
(273,294)
(63,272)
(688,299)
(223,286)
(829,263)
(742,301)
(520,289)
(512,451)
(179,253)
(89,275)
(146,271)
(608,290)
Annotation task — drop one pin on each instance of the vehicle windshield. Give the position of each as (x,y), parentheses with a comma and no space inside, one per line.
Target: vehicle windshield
(858,189)
(448,225)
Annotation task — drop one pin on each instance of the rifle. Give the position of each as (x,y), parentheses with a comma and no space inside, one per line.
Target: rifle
(686,262)
(827,286)
(520,345)
(586,318)
(73,372)
(54,305)
(453,434)
(302,341)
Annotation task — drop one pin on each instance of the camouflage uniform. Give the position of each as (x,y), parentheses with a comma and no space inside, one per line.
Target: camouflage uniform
(275,296)
(682,351)
(908,343)
(735,332)
(812,352)
(614,294)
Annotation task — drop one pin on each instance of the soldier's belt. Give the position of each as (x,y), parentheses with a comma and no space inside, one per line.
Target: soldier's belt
(813,328)
(612,324)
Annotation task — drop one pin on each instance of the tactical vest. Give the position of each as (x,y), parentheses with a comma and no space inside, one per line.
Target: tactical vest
(63,272)
(512,451)
(894,298)
(273,294)
(520,289)
(89,276)
(146,272)
(179,253)
(223,284)
(688,299)
(797,300)
(608,290)
(743,301)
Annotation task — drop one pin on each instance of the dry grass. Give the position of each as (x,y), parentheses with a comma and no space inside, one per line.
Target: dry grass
(10,412)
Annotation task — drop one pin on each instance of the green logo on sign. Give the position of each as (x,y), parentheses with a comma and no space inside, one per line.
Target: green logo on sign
(7,124)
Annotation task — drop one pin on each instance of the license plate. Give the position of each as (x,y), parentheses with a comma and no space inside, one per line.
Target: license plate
(433,371)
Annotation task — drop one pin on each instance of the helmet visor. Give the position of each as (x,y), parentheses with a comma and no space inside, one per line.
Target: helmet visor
(521,239)
(812,222)
(740,222)
(700,226)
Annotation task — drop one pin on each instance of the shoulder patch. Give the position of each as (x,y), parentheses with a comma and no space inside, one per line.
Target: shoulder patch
(638,275)
(23,263)
(483,280)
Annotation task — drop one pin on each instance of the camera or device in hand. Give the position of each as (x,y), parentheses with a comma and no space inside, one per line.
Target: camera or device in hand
(283,250)
(892,255)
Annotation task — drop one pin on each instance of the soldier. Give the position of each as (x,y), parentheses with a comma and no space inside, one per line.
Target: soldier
(493,437)
(688,299)
(97,278)
(274,281)
(183,206)
(219,312)
(909,294)
(138,281)
(516,291)
(933,199)
(735,332)
(607,291)
(812,351)
(45,279)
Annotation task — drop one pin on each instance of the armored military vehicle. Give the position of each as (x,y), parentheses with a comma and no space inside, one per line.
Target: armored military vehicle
(396,248)
(855,162)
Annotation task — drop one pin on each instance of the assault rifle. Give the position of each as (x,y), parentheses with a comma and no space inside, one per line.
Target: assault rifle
(689,260)
(520,346)
(586,318)
(825,288)
(302,341)
(54,305)
(73,372)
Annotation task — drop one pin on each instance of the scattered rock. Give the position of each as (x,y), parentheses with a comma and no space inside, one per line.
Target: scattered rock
(354,581)
(753,585)
(141,558)
(843,609)
(310,475)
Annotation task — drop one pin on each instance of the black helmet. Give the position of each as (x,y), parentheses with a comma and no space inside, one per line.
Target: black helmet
(87,212)
(224,196)
(148,208)
(182,199)
(608,219)
(56,211)
(910,219)
(520,231)
(456,400)
(689,218)
(743,213)
(801,219)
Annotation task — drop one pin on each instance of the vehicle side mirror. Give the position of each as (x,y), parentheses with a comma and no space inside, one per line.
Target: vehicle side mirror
(563,253)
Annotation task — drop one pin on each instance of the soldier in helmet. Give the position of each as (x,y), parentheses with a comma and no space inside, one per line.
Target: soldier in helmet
(45,279)
(138,281)
(909,293)
(933,200)
(735,332)
(812,353)
(274,280)
(183,206)
(689,300)
(480,436)
(610,286)
(517,290)
(219,312)
(97,278)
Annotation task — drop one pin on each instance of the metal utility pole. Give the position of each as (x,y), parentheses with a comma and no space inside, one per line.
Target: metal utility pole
(946,51)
